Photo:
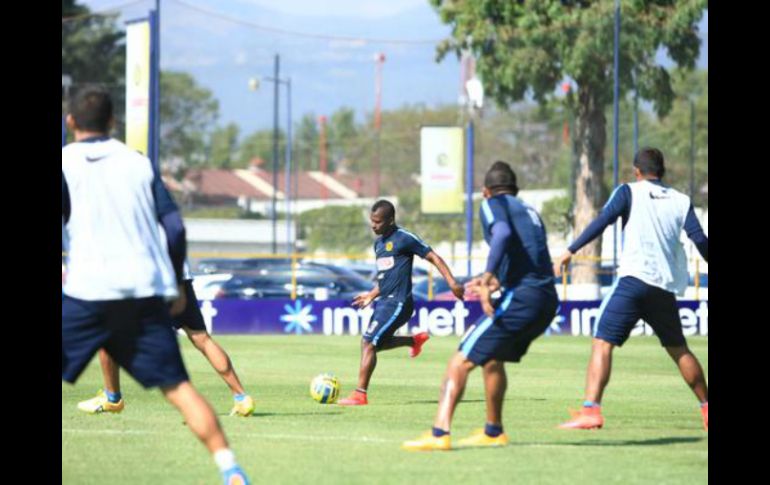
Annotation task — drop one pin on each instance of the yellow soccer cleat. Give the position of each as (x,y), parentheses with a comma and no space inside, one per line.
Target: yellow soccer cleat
(428,442)
(479,438)
(244,408)
(100,404)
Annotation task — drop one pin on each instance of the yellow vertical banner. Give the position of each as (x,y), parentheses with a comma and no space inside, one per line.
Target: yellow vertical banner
(441,169)
(138,85)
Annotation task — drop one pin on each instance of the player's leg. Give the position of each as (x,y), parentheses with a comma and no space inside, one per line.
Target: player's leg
(191,321)
(618,314)
(495,385)
(530,313)
(83,334)
(662,313)
(387,318)
(476,348)
(216,356)
(109,399)
(220,361)
(452,389)
(200,418)
(599,369)
(415,343)
(365,371)
(145,345)
(691,370)
(396,342)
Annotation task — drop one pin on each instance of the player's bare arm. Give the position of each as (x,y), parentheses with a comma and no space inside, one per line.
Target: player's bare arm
(365,299)
(562,262)
(438,262)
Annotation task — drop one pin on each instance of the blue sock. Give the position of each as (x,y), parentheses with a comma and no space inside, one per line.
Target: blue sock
(493,430)
(239,397)
(438,432)
(704,403)
(591,404)
(113,397)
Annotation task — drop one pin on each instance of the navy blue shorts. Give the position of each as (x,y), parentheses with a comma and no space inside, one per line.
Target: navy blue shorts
(521,315)
(389,315)
(136,333)
(632,299)
(191,317)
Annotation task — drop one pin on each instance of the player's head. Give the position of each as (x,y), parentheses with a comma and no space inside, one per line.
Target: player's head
(649,163)
(383,217)
(91,111)
(500,179)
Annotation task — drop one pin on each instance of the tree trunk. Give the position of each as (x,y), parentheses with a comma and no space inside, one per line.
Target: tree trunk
(590,140)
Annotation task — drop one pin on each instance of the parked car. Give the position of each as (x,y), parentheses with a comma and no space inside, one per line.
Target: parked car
(441,291)
(315,281)
(228,265)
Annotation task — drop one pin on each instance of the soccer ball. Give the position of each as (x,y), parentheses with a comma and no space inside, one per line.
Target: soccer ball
(325,388)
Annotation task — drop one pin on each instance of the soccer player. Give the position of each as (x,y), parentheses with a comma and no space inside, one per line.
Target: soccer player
(394,250)
(119,275)
(652,269)
(191,321)
(519,265)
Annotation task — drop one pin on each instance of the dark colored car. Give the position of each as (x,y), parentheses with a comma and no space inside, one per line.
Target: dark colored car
(441,290)
(229,265)
(313,280)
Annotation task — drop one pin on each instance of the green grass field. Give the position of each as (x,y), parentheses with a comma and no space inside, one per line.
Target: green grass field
(652,434)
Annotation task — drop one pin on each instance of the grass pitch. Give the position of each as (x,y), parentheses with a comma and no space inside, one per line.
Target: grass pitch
(652,433)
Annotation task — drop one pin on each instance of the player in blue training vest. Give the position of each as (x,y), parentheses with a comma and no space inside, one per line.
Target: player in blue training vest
(651,271)
(120,275)
(519,266)
(395,250)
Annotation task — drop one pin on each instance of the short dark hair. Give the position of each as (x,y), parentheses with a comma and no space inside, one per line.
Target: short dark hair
(388,210)
(92,109)
(500,176)
(650,161)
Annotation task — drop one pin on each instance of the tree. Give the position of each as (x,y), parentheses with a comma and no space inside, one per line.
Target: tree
(187,112)
(305,151)
(223,146)
(342,131)
(260,145)
(93,53)
(336,228)
(528,47)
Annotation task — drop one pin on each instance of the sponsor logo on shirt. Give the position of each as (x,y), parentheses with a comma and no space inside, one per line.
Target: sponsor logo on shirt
(386,263)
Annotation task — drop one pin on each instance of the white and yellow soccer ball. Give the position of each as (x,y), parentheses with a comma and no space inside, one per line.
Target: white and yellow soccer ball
(325,388)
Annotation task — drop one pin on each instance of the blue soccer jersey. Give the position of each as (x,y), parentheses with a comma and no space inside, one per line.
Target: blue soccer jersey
(395,253)
(518,243)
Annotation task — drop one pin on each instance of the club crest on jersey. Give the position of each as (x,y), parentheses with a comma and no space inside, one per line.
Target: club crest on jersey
(389,246)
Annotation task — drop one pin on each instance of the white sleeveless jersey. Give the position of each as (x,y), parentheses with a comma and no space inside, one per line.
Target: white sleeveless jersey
(652,249)
(112,238)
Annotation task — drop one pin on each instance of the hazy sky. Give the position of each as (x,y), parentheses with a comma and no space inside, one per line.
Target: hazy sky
(225,42)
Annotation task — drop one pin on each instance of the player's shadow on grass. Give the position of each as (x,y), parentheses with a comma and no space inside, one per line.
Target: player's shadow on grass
(674,440)
(435,401)
(430,401)
(263,415)
(671,440)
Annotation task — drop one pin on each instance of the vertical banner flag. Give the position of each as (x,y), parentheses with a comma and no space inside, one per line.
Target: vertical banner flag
(138,85)
(441,163)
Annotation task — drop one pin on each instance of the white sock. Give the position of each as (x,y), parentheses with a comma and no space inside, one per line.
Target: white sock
(225,459)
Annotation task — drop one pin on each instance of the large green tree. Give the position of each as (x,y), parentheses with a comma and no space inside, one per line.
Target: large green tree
(525,48)
(187,112)
(93,53)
